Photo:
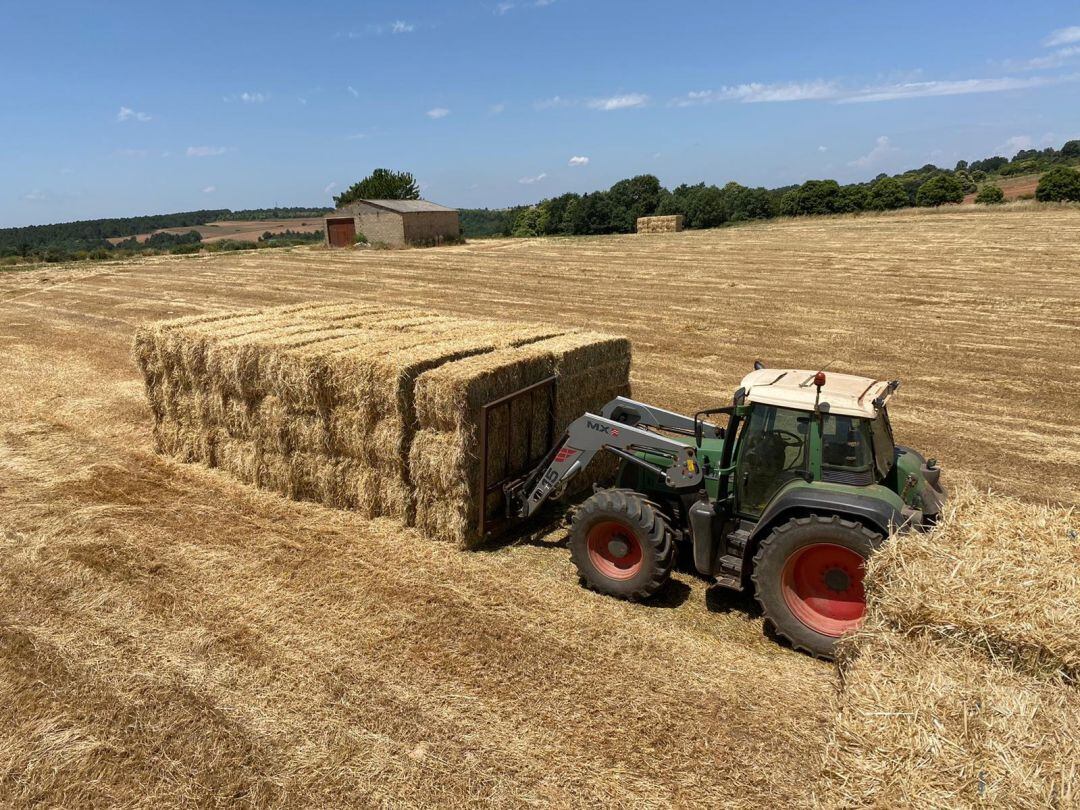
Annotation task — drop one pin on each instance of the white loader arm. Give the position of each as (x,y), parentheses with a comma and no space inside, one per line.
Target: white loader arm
(586,436)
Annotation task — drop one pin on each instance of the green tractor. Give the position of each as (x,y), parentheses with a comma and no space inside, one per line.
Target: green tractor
(789,497)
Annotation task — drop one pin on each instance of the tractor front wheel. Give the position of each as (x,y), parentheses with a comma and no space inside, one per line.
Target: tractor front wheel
(621,544)
(808,579)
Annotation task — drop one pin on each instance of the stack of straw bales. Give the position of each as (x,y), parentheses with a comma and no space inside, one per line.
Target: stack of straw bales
(963,686)
(324,402)
(664,224)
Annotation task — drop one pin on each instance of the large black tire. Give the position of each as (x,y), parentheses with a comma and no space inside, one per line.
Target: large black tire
(808,580)
(613,521)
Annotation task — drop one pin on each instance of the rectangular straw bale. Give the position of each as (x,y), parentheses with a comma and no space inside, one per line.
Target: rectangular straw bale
(444,463)
(996,574)
(923,722)
(312,401)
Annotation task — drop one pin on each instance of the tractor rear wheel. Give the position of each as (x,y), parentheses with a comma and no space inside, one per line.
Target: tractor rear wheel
(621,544)
(808,578)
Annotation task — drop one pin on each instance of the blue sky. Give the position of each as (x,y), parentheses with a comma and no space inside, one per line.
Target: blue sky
(121,108)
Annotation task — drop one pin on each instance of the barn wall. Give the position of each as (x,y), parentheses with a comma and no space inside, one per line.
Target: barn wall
(379,225)
(426,227)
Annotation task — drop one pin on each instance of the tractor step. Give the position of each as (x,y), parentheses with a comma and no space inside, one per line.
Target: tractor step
(729,572)
(737,540)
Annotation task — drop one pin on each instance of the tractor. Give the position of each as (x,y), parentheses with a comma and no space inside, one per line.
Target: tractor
(788,498)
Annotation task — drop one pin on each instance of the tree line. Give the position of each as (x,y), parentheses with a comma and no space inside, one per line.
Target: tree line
(708,206)
(93,235)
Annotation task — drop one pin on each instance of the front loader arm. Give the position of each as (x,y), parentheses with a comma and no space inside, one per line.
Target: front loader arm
(631,412)
(586,436)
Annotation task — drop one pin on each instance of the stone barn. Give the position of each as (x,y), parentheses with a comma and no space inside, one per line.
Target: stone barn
(392,222)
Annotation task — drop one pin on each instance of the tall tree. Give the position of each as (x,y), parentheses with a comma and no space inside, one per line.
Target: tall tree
(888,193)
(1060,184)
(381,184)
(938,190)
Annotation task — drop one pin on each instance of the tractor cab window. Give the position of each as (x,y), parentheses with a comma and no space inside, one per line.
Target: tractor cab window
(846,455)
(772,451)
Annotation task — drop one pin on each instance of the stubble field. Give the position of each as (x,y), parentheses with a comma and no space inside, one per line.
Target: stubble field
(169,635)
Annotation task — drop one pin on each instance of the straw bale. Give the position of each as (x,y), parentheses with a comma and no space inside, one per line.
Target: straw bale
(996,574)
(316,401)
(925,722)
(444,459)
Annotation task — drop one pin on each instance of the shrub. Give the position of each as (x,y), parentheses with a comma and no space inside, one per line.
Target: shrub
(939,190)
(360,239)
(990,195)
(887,194)
(1060,184)
(230,244)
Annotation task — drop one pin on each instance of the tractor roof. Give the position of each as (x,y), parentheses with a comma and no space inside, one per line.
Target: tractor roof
(794,388)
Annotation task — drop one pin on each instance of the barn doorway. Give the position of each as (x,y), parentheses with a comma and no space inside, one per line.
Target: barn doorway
(341,232)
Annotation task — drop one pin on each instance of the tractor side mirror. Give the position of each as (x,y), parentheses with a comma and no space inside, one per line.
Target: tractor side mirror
(698,431)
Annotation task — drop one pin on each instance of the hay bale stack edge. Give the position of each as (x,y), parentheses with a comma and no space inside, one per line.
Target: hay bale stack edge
(367,407)
(954,692)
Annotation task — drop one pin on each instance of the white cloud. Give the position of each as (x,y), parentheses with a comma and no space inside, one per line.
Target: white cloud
(497,109)
(549,103)
(128,114)
(247,98)
(821,90)
(943,88)
(823,149)
(579,160)
(754,92)
(302,100)
(437,113)
(401,27)
(206,151)
(356,136)
(502,8)
(882,149)
(528,181)
(623,102)
(542,3)
(37,195)
(209,190)
(352,91)
(1018,142)
(329,187)
(1063,36)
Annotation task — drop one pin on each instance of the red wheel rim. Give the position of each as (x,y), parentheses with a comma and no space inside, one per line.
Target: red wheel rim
(614,550)
(823,588)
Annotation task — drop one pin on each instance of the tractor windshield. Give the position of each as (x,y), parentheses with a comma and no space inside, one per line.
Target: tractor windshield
(884,448)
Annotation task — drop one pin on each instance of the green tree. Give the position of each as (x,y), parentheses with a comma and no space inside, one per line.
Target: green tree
(966,181)
(527,223)
(1060,184)
(939,190)
(1071,150)
(637,197)
(812,197)
(887,194)
(853,198)
(381,184)
(990,194)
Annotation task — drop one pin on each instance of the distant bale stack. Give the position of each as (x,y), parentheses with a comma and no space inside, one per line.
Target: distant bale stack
(963,686)
(319,401)
(664,224)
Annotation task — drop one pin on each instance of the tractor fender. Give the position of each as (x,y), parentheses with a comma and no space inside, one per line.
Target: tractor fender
(875,513)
